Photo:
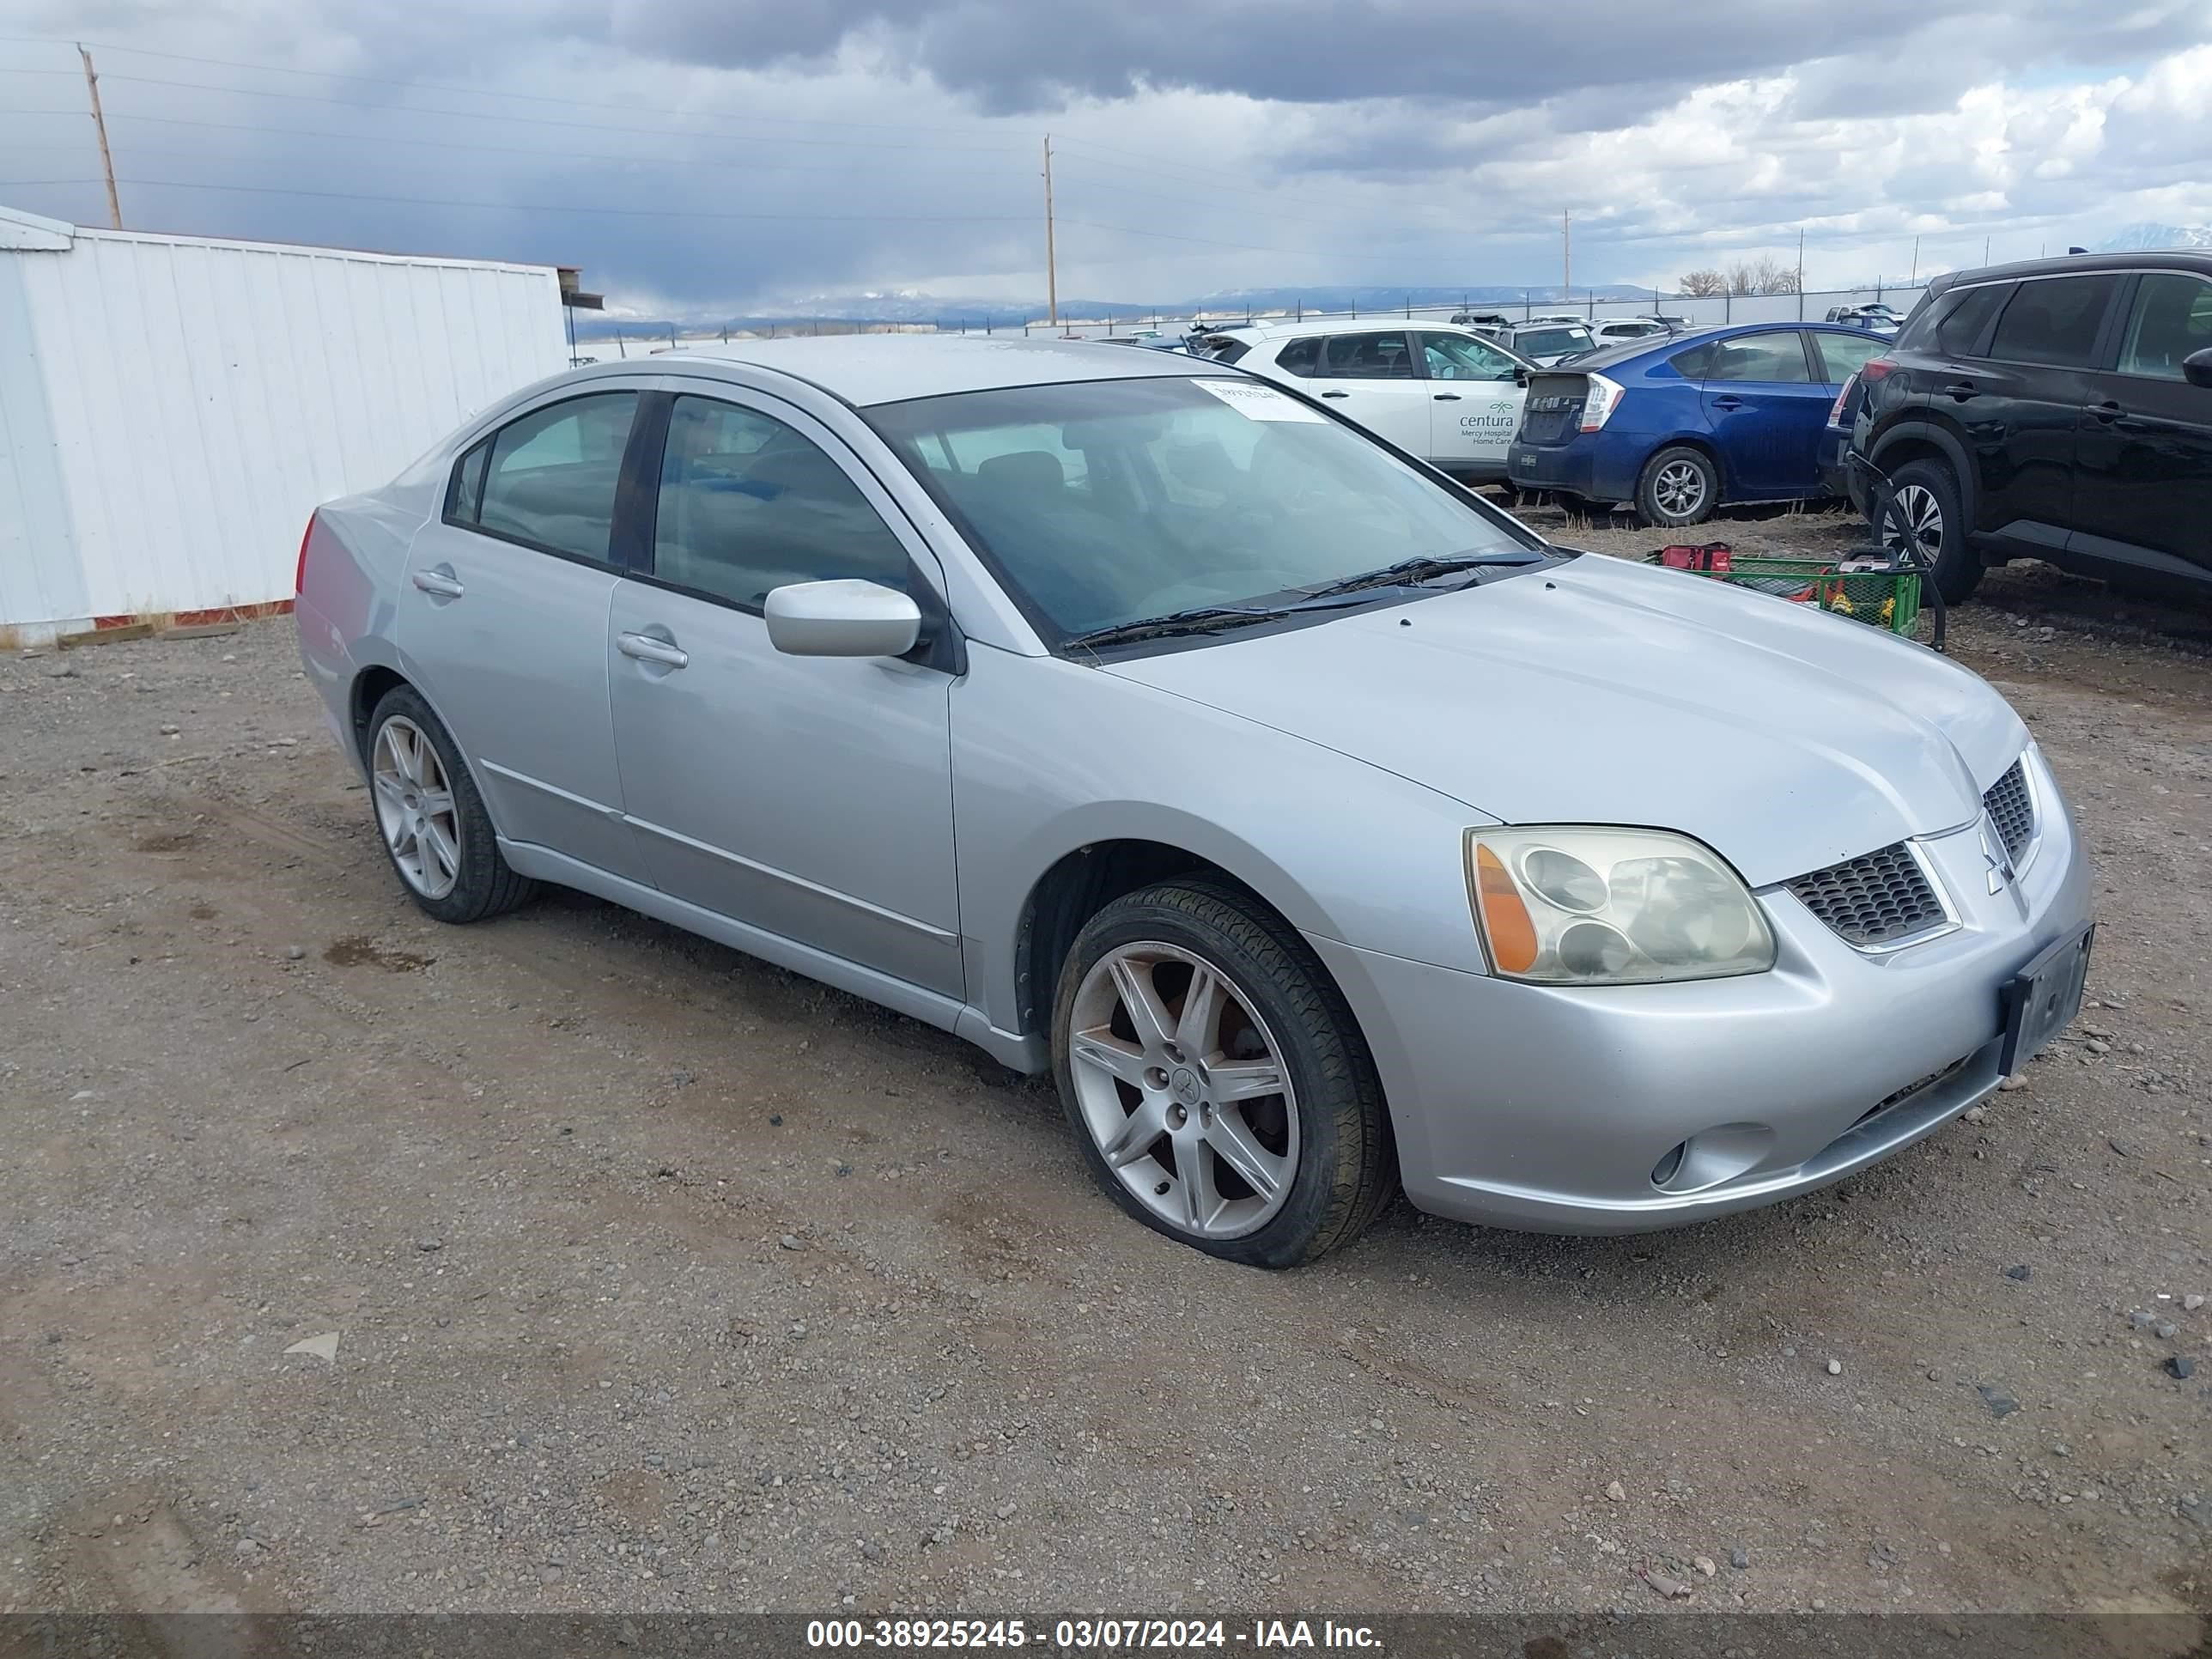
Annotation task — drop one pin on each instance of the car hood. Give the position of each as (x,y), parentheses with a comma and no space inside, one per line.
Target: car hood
(1606,692)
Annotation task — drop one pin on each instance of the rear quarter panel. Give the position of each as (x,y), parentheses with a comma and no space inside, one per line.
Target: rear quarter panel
(356,557)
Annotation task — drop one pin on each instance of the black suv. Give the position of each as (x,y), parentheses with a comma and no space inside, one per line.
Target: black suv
(2056,409)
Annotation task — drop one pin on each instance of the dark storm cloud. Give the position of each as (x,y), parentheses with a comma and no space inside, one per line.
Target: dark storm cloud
(1023,55)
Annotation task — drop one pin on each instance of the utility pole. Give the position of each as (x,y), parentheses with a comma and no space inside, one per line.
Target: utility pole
(1051,259)
(1985,250)
(1800,273)
(1913,281)
(1566,252)
(100,126)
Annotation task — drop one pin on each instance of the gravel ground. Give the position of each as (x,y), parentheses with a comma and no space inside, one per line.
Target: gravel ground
(568,1262)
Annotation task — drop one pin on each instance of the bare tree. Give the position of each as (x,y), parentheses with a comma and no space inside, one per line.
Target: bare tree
(1701,284)
(1773,276)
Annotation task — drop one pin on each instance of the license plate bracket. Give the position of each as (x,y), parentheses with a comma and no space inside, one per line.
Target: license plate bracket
(2043,998)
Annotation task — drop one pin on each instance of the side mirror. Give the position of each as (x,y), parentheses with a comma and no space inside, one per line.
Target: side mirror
(841,619)
(2197,367)
(1520,374)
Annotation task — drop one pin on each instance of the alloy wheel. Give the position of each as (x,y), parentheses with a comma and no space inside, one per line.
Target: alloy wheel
(1918,506)
(415,808)
(1183,1089)
(1679,489)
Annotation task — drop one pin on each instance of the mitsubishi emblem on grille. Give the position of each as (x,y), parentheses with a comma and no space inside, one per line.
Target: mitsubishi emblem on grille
(1994,856)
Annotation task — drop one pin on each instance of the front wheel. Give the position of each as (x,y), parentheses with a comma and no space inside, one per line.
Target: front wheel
(1218,1084)
(1678,487)
(1927,496)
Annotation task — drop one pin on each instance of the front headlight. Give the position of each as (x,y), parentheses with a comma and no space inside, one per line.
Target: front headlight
(1563,905)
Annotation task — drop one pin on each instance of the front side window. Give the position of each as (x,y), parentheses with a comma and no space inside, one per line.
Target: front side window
(2171,319)
(1187,497)
(1776,359)
(1456,357)
(549,479)
(1366,357)
(2054,320)
(748,504)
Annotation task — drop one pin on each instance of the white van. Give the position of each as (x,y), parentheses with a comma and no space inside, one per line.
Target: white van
(1446,394)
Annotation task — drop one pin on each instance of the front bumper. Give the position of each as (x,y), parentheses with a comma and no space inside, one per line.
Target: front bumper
(1550,1109)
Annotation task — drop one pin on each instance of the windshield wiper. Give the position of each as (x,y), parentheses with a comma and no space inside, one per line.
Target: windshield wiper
(1199,619)
(1407,572)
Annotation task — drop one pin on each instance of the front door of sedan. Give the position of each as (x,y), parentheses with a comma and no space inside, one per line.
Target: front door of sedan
(810,797)
(2142,473)
(1375,379)
(1766,402)
(502,622)
(1474,402)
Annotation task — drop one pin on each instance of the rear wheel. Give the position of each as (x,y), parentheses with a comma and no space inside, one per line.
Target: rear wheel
(430,818)
(1927,500)
(1678,486)
(1217,1083)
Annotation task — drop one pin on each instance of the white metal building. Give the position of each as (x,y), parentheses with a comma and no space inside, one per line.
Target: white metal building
(172,408)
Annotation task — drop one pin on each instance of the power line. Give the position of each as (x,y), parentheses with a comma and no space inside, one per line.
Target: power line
(572,207)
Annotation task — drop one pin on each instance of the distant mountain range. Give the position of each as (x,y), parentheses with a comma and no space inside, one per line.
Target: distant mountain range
(912,307)
(2131,238)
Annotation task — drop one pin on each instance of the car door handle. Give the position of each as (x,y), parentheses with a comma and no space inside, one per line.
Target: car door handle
(440,580)
(1336,394)
(2107,411)
(647,649)
(1961,389)
(1727,403)
(1448,396)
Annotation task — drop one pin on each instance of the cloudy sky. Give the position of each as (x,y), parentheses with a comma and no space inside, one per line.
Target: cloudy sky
(703,155)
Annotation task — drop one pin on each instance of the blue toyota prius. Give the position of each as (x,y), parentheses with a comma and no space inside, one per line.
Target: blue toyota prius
(1681,426)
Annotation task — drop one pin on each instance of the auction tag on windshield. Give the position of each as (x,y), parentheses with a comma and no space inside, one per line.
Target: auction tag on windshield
(1256,402)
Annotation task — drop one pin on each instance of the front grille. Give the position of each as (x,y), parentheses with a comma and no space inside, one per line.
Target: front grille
(2012,809)
(1874,900)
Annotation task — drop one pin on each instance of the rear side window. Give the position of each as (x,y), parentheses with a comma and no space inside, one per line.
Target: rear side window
(2054,320)
(1691,364)
(1775,359)
(747,504)
(1301,357)
(1957,321)
(1366,357)
(1843,354)
(2171,319)
(549,479)
(1227,351)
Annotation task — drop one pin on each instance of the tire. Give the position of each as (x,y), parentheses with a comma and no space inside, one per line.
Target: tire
(452,869)
(1928,487)
(1323,1141)
(1678,486)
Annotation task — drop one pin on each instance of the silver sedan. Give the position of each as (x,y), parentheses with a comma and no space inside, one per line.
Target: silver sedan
(1324,831)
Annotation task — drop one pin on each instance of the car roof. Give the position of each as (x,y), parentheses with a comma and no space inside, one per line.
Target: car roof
(1257,333)
(1654,346)
(2197,262)
(888,369)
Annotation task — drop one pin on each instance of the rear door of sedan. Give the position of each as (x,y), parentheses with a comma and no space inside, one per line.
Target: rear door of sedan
(502,620)
(1765,401)
(809,797)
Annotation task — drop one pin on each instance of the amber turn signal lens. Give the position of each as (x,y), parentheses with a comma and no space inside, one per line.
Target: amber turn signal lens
(1505,920)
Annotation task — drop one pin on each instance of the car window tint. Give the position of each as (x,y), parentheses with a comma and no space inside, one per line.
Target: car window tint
(748,504)
(2173,318)
(464,497)
(551,476)
(2053,320)
(1228,352)
(1691,364)
(1955,321)
(1776,359)
(1843,354)
(1300,357)
(1366,357)
(1456,357)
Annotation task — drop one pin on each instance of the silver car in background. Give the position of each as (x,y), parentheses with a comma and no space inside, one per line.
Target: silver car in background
(1318,826)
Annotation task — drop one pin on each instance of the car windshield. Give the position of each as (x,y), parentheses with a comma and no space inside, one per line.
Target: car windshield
(1102,503)
(1551,342)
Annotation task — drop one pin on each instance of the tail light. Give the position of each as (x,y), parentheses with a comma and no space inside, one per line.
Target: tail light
(300,576)
(1836,409)
(1599,402)
(1877,369)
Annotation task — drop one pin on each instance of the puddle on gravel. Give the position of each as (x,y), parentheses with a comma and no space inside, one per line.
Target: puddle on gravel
(360,951)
